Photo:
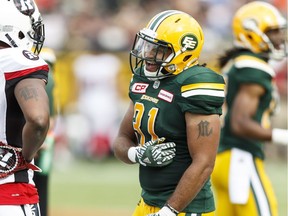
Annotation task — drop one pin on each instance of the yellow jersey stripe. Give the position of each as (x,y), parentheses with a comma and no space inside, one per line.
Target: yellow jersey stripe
(216,86)
(252,62)
(203,92)
(247,57)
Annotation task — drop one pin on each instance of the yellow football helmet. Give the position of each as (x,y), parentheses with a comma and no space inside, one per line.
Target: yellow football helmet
(251,24)
(171,42)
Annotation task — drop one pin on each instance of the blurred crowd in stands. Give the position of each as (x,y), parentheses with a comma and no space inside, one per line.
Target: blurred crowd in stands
(92,40)
(110,25)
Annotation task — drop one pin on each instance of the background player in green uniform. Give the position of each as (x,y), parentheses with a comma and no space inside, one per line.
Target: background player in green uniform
(241,184)
(172,125)
(45,155)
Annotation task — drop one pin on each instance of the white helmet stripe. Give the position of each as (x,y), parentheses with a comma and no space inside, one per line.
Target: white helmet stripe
(157,20)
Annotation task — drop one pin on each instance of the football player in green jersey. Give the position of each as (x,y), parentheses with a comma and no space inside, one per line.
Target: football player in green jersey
(241,184)
(172,126)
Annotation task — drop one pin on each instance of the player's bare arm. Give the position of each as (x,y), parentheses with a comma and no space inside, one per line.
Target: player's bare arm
(203,133)
(33,100)
(126,136)
(243,111)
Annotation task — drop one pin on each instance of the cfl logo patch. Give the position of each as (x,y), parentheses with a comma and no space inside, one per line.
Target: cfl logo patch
(190,42)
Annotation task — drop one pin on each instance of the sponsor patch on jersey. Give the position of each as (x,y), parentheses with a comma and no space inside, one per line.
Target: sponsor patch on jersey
(139,88)
(30,55)
(148,98)
(165,95)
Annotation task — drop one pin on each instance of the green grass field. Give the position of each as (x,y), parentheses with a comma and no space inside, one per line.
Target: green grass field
(111,188)
(96,188)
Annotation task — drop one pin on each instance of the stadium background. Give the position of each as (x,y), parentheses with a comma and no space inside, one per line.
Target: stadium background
(92,39)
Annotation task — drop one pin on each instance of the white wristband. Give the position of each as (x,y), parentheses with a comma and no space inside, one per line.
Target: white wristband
(132,154)
(280,136)
(166,211)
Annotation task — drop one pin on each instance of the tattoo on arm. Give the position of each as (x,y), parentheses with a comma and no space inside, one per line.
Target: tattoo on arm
(204,129)
(29,93)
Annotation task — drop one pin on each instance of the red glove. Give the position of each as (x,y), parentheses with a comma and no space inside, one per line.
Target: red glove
(12,160)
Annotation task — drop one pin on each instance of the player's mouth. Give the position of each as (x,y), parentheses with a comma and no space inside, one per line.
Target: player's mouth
(152,67)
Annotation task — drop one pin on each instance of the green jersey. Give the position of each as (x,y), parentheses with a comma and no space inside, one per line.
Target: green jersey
(159,111)
(248,68)
(49,90)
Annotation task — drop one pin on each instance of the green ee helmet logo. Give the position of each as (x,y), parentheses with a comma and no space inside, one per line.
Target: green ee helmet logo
(189,41)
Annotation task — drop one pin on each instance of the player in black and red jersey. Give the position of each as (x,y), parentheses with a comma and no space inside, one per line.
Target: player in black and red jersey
(24,106)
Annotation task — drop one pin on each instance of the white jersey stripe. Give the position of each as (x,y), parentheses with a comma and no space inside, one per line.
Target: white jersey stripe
(259,193)
(203,92)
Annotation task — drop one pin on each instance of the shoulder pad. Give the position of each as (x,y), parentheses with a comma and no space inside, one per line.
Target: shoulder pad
(203,82)
(246,61)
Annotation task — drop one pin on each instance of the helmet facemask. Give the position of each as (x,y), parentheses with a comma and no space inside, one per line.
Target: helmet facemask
(37,35)
(149,56)
(277,43)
